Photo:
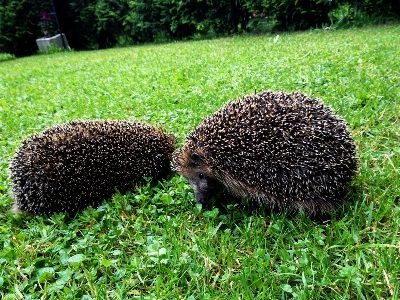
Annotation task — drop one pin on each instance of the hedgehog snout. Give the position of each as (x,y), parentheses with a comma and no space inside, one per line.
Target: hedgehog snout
(200,188)
(203,186)
(202,198)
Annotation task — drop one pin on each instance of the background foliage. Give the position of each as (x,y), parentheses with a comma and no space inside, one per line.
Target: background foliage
(19,27)
(93,24)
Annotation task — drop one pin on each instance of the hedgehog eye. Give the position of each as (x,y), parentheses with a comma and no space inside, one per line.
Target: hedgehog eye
(201,175)
(195,156)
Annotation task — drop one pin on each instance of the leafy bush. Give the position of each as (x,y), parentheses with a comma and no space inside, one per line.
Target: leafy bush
(93,24)
(204,17)
(78,21)
(6,56)
(291,14)
(19,26)
(135,21)
(379,8)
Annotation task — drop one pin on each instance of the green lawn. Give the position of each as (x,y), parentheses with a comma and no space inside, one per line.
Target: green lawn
(155,242)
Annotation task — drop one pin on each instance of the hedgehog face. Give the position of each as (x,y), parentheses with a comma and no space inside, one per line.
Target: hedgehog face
(202,186)
(200,178)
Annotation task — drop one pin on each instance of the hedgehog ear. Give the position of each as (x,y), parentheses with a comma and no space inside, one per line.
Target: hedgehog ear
(195,157)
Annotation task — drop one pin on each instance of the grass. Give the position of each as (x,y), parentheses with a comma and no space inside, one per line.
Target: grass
(6,56)
(155,242)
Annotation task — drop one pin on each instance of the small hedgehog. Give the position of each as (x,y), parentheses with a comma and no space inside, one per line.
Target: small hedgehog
(69,167)
(284,151)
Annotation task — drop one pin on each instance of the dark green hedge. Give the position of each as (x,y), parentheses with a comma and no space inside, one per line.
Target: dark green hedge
(93,24)
(19,27)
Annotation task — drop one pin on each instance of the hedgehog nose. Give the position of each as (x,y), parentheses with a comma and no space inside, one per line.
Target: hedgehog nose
(200,199)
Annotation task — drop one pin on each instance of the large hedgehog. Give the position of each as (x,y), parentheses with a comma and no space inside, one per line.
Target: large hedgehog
(75,165)
(285,151)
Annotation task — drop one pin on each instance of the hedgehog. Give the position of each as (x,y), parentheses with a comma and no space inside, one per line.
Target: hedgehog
(69,167)
(283,151)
